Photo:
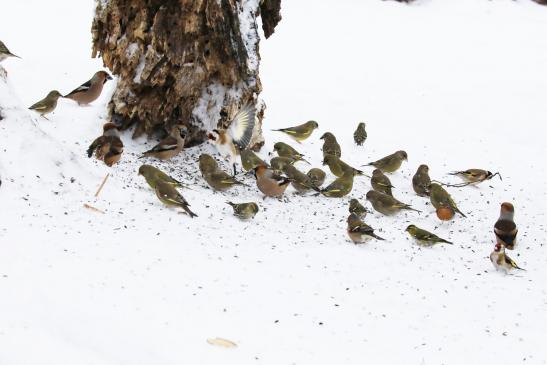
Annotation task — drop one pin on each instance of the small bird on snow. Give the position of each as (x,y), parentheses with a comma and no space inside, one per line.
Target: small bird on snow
(300,132)
(501,261)
(423,237)
(505,228)
(390,163)
(108,147)
(358,231)
(90,90)
(244,210)
(47,104)
(360,134)
(5,52)
(170,146)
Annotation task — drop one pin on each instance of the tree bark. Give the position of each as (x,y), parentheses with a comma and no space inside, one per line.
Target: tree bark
(191,62)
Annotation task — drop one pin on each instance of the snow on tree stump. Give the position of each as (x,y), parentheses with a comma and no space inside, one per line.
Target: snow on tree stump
(191,62)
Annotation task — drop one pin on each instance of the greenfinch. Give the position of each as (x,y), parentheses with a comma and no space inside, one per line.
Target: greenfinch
(380,182)
(300,132)
(317,176)
(170,146)
(421,181)
(340,187)
(249,160)
(505,228)
(390,163)
(299,180)
(47,104)
(220,180)
(330,145)
(501,261)
(423,237)
(357,208)
(207,164)
(244,211)
(168,195)
(358,231)
(152,175)
(5,52)
(441,199)
(386,204)
(278,163)
(360,134)
(339,167)
(89,91)
(284,150)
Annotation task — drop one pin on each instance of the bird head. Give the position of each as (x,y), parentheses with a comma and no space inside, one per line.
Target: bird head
(145,170)
(411,229)
(352,218)
(327,136)
(497,247)
(370,195)
(313,124)
(402,155)
(183,131)
(423,168)
(377,172)
(53,95)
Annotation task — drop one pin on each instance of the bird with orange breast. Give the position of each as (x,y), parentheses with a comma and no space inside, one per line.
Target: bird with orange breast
(270,183)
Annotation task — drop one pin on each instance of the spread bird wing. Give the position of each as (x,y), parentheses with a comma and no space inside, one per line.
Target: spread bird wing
(241,128)
(83,87)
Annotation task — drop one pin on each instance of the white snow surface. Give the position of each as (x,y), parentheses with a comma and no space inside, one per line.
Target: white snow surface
(457,84)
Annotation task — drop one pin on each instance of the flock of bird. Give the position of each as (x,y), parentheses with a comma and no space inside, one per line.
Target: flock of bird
(273,178)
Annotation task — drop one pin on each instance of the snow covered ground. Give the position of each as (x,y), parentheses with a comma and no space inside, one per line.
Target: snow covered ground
(457,84)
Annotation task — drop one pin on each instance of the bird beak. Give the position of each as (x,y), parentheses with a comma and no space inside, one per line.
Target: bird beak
(108,77)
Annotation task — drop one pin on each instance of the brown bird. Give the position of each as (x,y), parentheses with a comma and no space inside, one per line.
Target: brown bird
(380,182)
(108,147)
(421,181)
(89,91)
(358,231)
(170,146)
(505,228)
(270,183)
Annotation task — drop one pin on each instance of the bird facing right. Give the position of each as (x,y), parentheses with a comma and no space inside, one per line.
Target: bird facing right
(5,52)
(47,104)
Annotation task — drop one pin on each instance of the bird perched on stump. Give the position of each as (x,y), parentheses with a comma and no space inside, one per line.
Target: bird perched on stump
(381,182)
(386,204)
(168,195)
(270,183)
(170,146)
(5,52)
(442,201)
(501,261)
(423,237)
(358,231)
(47,104)
(360,134)
(300,132)
(421,181)
(244,210)
(330,145)
(505,228)
(390,163)
(238,135)
(90,90)
(108,147)
(284,150)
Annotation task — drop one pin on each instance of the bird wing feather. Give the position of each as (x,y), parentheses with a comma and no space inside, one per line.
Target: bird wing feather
(241,128)
(83,87)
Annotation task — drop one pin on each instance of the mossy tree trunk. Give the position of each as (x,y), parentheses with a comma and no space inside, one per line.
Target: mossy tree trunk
(193,62)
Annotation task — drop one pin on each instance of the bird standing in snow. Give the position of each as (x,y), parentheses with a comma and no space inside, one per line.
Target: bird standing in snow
(381,182)
(360,134)
(47,104)
(108,147)
(358,231)
(475,176)
(442,201)
(300,132)
(170,146)
(505,228)
(357,208)
(215,178)
(153,175)
(278,163)
(299,180)
(244,210)
(390,163)
(5,52)
(89,91)
(168,195)
(501,261)
(317,176)
(284,150)
(270,183)
(238,135)
(340,187)
(421,181)
(423,237)
(249,160)
(330,145)
(339,167)
(386,204)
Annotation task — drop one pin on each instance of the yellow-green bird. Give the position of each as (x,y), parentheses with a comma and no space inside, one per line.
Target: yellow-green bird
(317,176)
(423,237)
(278,163)
(340,187)
(421,181)
(330,145)
(207,164)
(386,204)
(360,134)
(168,195)
(284,150)
(47,104)
(358,231)
(153,175)
(300,132)
(390,163)
(339,167)
(5,52)
(299,180)
(440,198)
(357,208)
(220,180)
(381,182)
(244,210)
(250,160)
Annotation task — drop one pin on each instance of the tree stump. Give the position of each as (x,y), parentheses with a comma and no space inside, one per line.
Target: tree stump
(191,62)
